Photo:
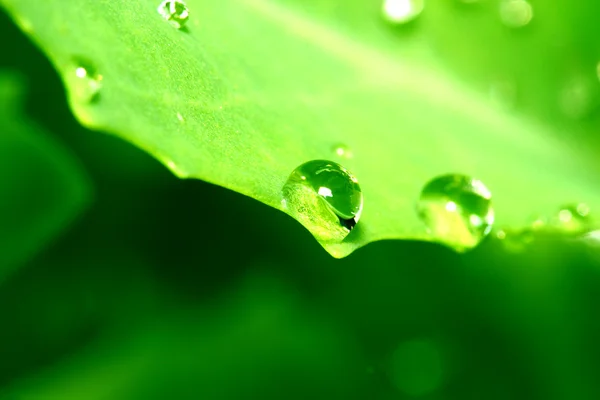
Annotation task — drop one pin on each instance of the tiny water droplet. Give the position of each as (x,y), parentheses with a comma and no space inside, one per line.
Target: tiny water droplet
(342,150)
(180,117)
(174,11)
(515,13)
(84,81)
(579,96)
(573,219)
(325,198)
(457,210)
(516,241)
(503,94)
(402,11)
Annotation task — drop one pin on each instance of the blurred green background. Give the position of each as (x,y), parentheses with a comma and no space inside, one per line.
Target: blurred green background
(119,281)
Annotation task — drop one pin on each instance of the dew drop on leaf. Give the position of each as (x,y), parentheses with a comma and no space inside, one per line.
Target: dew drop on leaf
(573,219)
(342,150)
(457,210)
(84,81)
(176,12)
(325,198)
(402,11)
(579,96)
(516,241)
(515,13)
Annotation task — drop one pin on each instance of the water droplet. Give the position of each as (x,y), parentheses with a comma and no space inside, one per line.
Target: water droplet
(341,150)
(516,241)
(457,210)
(402,11)
(180,117)
(84,81)
(573,219)
(325,198)
(503,94)
(515,13)
(417,367)
(579,96)
(176,12)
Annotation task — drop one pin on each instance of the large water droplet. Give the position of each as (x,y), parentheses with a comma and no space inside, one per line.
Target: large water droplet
(325,198)
(176,12)
(402,11)
(343,151)
(84,81)
(573,219)
(457,210)
(515,13)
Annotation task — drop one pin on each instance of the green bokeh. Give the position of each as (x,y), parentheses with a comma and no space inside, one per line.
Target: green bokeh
(168,288)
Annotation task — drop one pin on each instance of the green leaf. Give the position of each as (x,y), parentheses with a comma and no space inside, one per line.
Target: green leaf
(42,186)
(251,89)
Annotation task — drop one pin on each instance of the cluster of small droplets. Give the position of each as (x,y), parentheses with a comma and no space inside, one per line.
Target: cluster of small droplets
(174,11)
(569,221)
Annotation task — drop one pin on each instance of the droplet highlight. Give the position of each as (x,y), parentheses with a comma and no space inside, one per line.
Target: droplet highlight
(456,210)
(325,198)
(343,151)
(402,11)
(516,13)
(176,12)
(84,81)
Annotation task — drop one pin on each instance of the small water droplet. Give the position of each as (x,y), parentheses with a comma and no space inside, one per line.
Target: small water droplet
(457,210)
(516,241)
(579,96)
(174,11)
(515,13)
(84,81)
(503,94)
(180,117)
(325,198)
(573,219)
(402,11)
(343,151)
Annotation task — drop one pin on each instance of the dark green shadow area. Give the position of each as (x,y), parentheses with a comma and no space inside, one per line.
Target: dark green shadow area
(42,186)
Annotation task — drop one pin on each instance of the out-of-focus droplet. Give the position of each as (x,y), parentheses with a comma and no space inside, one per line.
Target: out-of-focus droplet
(402,11)
(515,13)
(503,94)
(84,81)
(325,198)
(573,219)
(579,96)
(342,150)
(174,11)
(516,240)
(417,367)
(457,210)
